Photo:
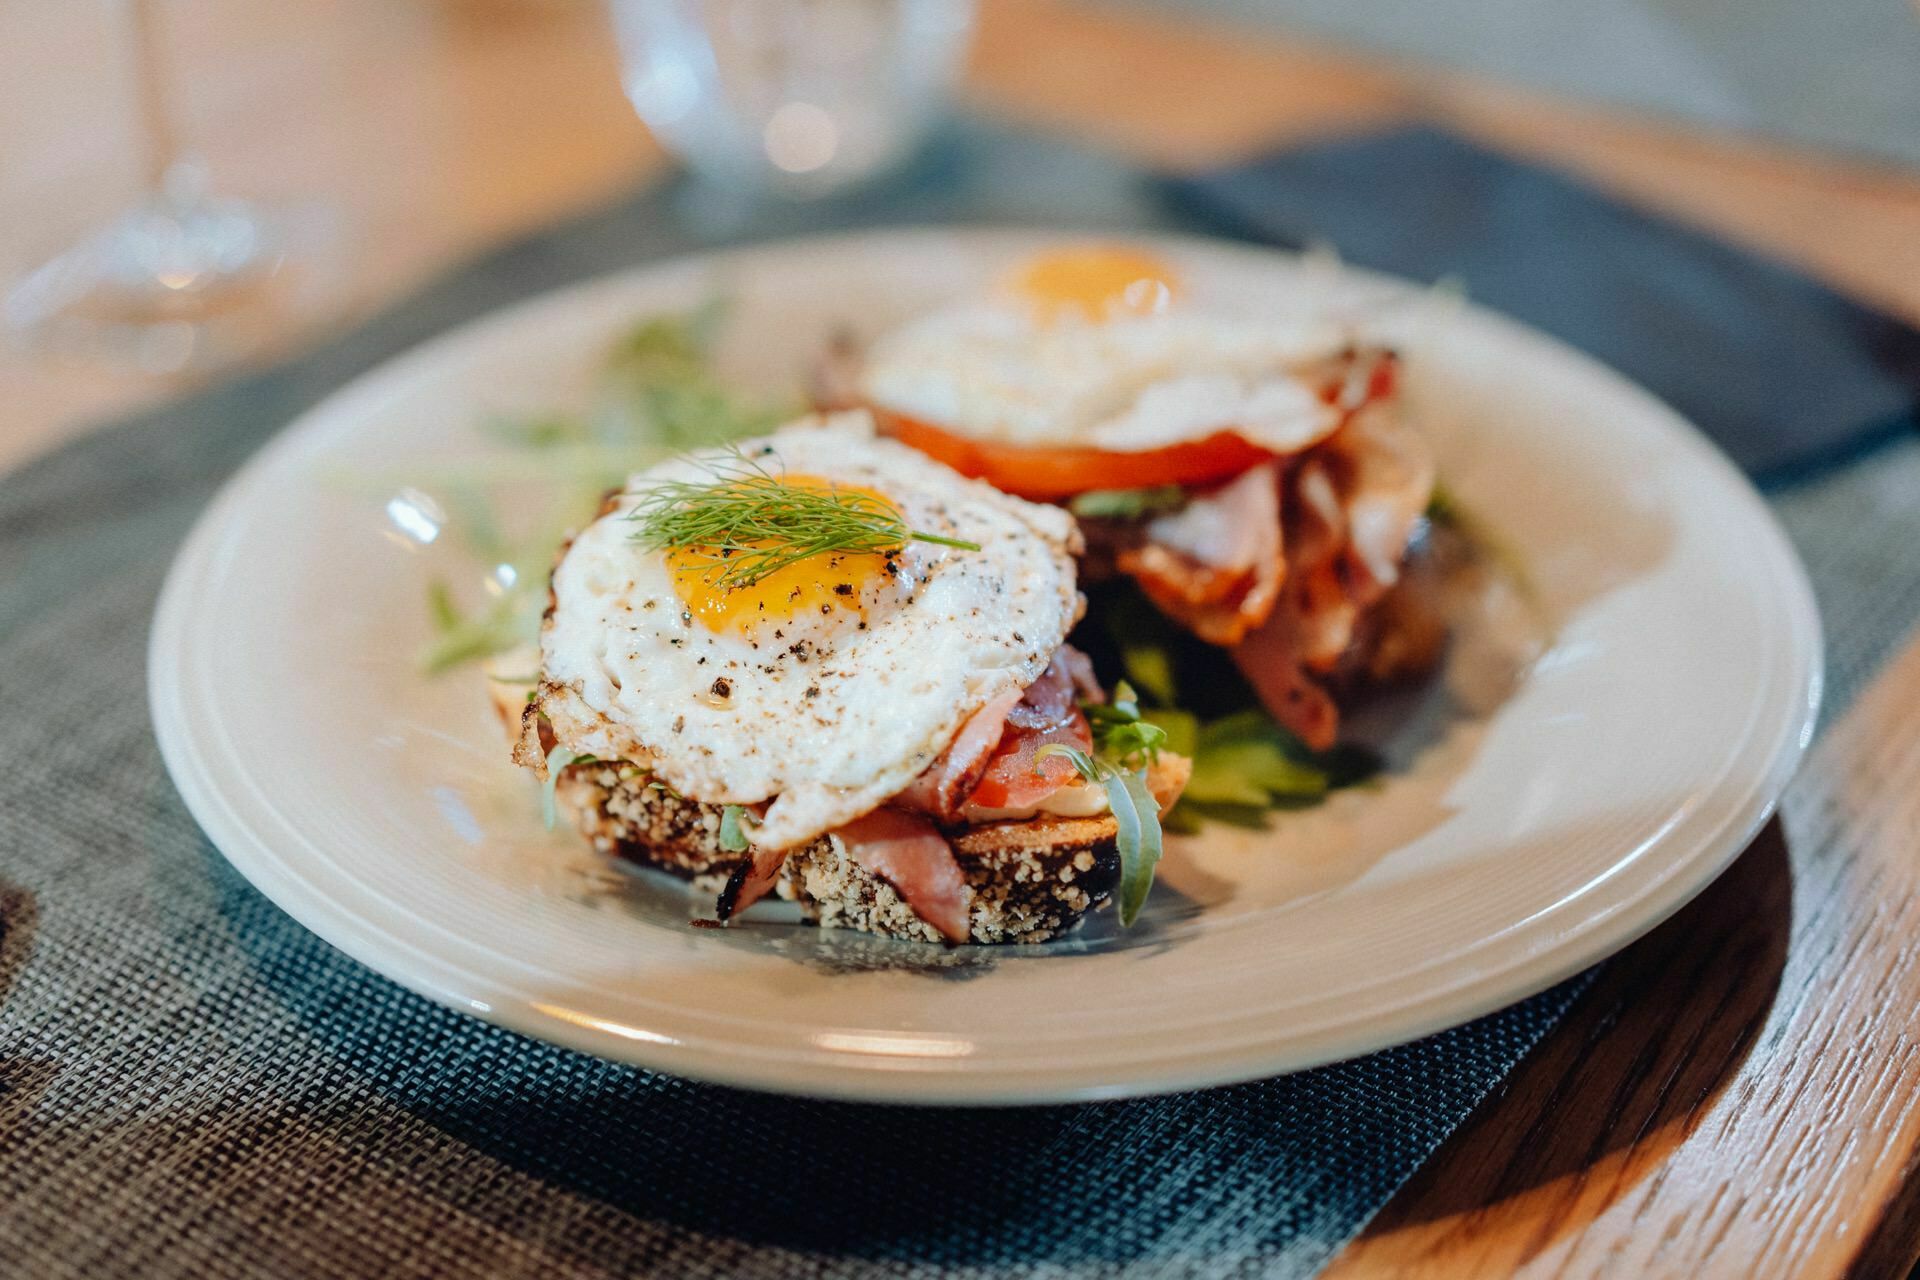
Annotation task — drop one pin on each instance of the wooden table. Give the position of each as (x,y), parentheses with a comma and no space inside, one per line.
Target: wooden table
(1737,1094)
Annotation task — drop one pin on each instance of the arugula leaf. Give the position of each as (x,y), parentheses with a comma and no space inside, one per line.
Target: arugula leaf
(1119,732)
(1128,504)
(1145,641)
(1182,730)
(1137,815)
(1244,764)
(1151,668)
(1085,765)
(1136,874)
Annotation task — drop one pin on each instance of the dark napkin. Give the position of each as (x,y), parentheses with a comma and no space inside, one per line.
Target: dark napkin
(1783,373)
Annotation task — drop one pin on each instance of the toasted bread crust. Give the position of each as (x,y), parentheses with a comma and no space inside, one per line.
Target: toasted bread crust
(1030,880)
(625,814)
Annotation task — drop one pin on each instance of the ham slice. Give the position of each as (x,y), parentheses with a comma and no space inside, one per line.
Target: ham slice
(751,881)
(1317,613)
(1079,669)
(1293,698)
(1353,504)
(996,736)
(904,849)
(1225,529)
(1050,701)
(1018,776)
(1216,565)
(945,784)
(1389,471)
(909,853)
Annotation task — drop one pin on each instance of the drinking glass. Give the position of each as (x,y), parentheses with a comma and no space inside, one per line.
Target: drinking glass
(798,97)
(184,278)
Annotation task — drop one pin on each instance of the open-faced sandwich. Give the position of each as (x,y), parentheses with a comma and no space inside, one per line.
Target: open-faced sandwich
(821,664)
(1257,480)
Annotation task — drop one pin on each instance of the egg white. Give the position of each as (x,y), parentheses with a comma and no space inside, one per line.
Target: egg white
(823,720)
(994,370)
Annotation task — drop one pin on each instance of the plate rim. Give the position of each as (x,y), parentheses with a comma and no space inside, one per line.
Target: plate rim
(918,1081)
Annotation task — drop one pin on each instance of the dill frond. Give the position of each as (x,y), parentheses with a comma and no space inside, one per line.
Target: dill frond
(746,523)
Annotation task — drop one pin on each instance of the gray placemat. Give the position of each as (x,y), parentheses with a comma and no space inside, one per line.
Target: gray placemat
(192,1085)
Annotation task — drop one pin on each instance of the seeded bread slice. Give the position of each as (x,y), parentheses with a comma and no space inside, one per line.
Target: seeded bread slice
(1030,880)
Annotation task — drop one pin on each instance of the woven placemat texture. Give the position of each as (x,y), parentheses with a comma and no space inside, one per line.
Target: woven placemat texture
(192,1085)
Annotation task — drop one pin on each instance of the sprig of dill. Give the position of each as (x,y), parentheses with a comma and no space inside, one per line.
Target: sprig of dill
(746,522)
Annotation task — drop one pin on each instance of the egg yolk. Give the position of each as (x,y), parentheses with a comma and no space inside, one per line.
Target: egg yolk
(1096,283)
(827,585)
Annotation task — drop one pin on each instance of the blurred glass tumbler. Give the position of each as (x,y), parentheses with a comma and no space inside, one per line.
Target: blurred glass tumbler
(184,278)
(799,97)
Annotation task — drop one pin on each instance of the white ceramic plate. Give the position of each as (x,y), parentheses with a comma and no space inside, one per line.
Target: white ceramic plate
(1504,851)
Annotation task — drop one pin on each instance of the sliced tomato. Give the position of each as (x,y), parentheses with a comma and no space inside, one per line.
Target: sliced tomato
(1018,776)
(1049,473)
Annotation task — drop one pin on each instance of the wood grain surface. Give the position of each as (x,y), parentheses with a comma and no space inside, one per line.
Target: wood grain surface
(1736,1095)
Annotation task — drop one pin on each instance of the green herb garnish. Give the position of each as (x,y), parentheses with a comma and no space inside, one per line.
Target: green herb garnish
(1119,731)
(1247,759)
(1125,746)
(734,820)
(1137,815)
(508,622)
(745,522)
(1128,504)
(656,393)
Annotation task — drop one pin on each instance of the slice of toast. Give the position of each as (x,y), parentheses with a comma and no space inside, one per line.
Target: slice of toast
(1030,880)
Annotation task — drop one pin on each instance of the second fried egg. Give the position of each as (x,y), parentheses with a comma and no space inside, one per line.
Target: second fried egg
(1100,347)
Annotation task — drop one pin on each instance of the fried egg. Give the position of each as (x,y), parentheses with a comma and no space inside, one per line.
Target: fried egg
(1101,347)
(821,690)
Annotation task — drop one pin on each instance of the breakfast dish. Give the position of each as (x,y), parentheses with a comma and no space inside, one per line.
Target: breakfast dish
(1256,477)
(820,664)
(1500,845)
